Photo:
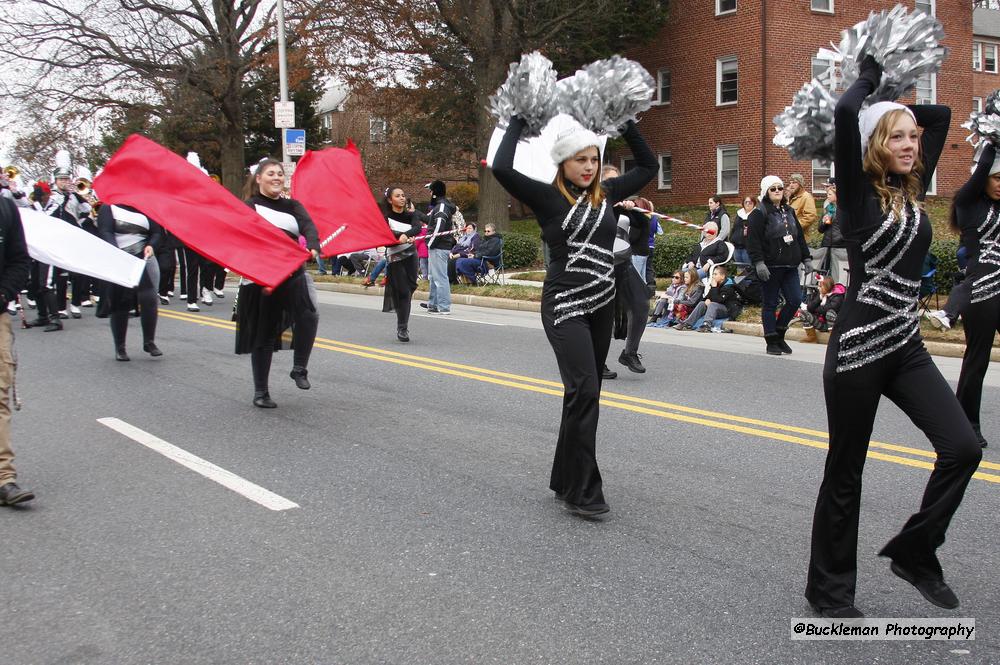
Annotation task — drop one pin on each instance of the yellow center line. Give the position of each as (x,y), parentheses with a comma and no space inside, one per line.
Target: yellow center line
(641,405)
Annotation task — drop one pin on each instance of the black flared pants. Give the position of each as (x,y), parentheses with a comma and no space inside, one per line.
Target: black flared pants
(982,322)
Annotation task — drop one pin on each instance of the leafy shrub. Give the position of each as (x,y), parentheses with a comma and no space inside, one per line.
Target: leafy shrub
(519,250)
(465,195)
(945,249)
(672,249)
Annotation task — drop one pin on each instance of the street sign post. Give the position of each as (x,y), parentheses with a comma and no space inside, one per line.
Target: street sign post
(295,142)
(284,114)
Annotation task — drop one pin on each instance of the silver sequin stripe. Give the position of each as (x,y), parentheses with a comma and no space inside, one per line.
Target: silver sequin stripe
(988,286)
(893,294)
(586,258)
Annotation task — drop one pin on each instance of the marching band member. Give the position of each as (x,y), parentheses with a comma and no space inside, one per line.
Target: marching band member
(401,259)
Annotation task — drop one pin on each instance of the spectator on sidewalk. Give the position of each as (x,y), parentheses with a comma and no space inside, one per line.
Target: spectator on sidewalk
(489,247)
(741,229)
(709,252)
(802,202)
(821,310)
(439,248)
(720,304)
(465,248)
(663,310)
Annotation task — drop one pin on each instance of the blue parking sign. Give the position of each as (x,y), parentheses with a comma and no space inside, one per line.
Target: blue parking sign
(295,141)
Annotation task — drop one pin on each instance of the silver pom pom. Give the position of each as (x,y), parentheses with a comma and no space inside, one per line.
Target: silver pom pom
(529,93)
(985,125)
(805,128)
(605,95)
(907,45)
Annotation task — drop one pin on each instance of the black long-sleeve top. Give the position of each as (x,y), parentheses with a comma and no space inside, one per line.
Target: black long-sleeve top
(307,228)
(551,207)
(125,235)
(405,217)
(978,218)
(885,253)
(15,263)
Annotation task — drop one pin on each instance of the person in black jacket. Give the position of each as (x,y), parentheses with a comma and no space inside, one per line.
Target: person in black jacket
(719,305)
(631,292)
(404,222)
(14,266)
(489,249)
(884,165)
(777,246)
(133,232)
(263,314)
(976,215)
(710,251)
(740,229)
(575,213)
(166,258)
(439,249)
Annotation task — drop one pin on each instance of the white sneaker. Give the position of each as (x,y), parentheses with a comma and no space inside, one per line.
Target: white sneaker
(193,307)
(12,307)
(87,303)
(73,309)
(206,296)
(170,294)
(939,319)
(219,293)
(164,300)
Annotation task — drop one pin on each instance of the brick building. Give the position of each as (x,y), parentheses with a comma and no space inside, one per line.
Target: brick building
(985,54)
(725,68)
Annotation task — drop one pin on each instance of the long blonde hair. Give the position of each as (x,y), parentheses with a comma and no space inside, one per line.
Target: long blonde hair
(876,162)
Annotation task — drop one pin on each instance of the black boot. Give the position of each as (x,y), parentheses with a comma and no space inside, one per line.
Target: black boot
(263,400)
(300,376)
(979,435)
(772,345)
(781,341)
(53,324)
(608,374)
(402,334)
(152,349)
(631,360)
(120,353)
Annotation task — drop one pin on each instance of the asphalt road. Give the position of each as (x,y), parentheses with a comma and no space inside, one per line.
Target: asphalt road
(424,530)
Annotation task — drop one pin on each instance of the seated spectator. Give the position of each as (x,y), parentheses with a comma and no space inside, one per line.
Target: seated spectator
(690,296)
(663,310)
(421,246)
(465,248)
(720,304)
(342,262)
(360,260)
(490,247)
(710,251)
(821,310)
(377,270)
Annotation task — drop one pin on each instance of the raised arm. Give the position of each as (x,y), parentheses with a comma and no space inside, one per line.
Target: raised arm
(974,186)
(528,191)
(935,119)
(632,181)
(847,143)
(306,226)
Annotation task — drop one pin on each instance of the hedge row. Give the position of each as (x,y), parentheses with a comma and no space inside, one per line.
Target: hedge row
(520,250)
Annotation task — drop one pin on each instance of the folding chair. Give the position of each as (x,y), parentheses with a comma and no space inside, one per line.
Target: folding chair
(928,285)
(494,274)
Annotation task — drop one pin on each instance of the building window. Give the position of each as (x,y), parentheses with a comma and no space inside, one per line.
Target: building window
(727,167)
(663,82)
(822,172)
(628,163)
(990,58)
(977,104)
(725,7)
(822,6)
(727,81)
(925,6)
(927,89)
(378,130)
(977,56)
(666,172)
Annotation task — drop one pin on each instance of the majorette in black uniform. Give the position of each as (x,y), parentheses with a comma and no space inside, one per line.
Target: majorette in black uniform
(631,291)
(131,231)
(577,299)
(261,317)
(978,219)
(401,266)
(876,350)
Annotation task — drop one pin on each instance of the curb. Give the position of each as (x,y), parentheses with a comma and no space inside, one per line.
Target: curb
(944,349)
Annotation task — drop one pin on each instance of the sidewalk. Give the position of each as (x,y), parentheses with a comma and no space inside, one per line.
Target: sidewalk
(944,349)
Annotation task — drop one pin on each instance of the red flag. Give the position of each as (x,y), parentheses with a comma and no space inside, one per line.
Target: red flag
(331,184)
(199,211)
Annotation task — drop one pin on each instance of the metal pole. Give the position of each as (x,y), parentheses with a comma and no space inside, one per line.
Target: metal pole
(282,70)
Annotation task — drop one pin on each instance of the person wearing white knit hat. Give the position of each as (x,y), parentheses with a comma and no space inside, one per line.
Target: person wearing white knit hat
(777,246)
(578,225)
(884,165)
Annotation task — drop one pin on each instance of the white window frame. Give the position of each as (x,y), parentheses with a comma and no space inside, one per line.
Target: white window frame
(720,12)
(626,164)
(932,187)
(977,56)
(933,93)
(817,165)
(719,150)
(660,183)
(718,80)
(812,6)
(987,45)
(378,135)
(659,86)
(932,3)
(977,104)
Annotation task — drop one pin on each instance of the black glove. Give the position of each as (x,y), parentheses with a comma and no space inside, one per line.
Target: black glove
(870,66)
(762,272)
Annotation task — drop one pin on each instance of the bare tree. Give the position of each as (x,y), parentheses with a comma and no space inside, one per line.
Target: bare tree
(88,55)
(465,46)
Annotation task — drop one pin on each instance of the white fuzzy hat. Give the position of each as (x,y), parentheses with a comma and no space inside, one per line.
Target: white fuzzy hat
(868,120)
(572,140)
(766,183)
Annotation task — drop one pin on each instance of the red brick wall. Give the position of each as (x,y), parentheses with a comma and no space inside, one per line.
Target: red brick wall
(772,65)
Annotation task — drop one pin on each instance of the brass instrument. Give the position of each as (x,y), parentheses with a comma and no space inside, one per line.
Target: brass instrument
(11,171)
